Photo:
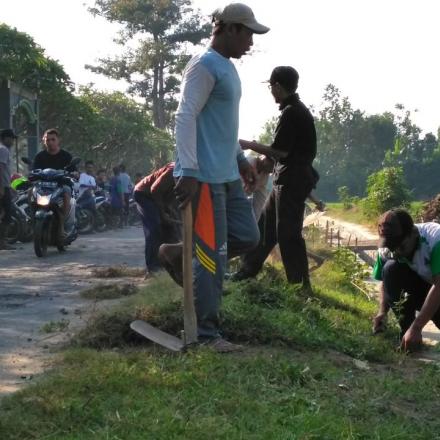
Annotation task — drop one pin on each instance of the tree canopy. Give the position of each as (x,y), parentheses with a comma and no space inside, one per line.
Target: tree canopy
(155,34)
(106,127)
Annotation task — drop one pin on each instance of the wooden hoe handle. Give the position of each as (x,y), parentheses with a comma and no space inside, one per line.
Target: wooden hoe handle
(189,313)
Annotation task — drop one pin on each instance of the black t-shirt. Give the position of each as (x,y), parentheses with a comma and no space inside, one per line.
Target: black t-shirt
(56,161)
(295,134)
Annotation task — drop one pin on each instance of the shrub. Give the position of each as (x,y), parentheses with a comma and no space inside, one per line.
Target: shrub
(344,197)
(386,189)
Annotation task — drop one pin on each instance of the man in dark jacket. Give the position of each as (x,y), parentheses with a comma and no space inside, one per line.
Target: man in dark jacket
(293,151)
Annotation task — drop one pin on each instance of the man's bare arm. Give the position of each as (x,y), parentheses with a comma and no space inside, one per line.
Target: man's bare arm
(263,149)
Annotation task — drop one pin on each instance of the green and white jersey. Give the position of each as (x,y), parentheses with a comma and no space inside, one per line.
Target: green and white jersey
(426,260)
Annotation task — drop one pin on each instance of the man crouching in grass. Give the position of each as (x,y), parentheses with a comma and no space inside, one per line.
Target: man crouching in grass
(408,264)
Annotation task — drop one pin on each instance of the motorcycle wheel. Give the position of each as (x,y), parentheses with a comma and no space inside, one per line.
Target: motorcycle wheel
(41,232)
(84,220)
(100,224)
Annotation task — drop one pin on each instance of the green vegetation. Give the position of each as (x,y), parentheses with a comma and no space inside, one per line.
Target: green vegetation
(386,189)
(55,326)
(311,369)
(94,125)
(155,38)
(356,214)
(353,145)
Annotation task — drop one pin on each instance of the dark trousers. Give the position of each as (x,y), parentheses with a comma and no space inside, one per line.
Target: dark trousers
(6,207)
(399,279)
(281,222)
(150,216)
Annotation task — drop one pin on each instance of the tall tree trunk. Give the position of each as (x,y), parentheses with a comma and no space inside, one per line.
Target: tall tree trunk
(161,98)
(155,98)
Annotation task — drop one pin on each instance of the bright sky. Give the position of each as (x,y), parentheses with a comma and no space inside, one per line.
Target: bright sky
(377,52)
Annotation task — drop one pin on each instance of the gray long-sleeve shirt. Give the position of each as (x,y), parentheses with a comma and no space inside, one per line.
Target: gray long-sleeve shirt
(5,167)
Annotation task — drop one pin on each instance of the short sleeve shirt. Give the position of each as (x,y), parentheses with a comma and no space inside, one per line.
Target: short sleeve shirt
(57,161)
(426,260)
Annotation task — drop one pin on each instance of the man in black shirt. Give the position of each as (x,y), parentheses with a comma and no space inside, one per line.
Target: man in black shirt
(293,151)
(56,158)
(52,156)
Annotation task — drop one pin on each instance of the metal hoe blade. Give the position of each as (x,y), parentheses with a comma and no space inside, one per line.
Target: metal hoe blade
(157,336)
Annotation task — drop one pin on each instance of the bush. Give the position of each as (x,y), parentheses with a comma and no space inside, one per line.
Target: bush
(386,189)
(345,198)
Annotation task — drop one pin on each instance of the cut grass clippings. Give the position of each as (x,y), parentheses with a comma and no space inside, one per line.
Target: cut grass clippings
(109,291)
(311,370)
(118,272)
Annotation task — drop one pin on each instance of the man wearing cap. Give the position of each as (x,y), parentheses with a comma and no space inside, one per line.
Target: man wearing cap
(408,264)
(209,162)
(7,137)
(293,150)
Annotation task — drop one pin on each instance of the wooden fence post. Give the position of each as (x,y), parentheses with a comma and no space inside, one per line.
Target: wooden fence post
(326,232)
(331,237)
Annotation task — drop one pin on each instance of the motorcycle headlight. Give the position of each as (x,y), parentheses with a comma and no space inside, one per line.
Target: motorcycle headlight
(43,200)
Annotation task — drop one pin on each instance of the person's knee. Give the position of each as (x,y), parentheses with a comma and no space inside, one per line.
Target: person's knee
(391,270)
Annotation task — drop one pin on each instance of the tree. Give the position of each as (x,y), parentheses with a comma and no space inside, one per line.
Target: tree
(120,130)
(24,61)
(162,28)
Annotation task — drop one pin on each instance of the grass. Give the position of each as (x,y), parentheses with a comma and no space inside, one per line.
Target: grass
(352,215)
(300,377)
(356,215)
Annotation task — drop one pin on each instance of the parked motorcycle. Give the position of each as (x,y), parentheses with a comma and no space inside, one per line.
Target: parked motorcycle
(47,199)
(84,214)
(93,216)
(21,208)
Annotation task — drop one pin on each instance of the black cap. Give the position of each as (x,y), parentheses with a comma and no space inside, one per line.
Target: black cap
(286,76)
(393,227)
(7,132)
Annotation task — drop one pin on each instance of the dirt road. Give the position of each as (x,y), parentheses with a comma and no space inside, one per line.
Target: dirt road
(34,292)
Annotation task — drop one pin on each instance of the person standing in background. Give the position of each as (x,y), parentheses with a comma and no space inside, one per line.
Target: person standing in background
(117,196)
(127,189)
(7,137)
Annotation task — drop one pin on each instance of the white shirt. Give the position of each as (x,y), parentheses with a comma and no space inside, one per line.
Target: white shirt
(86,181)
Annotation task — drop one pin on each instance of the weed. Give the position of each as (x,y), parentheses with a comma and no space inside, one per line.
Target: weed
(55,326)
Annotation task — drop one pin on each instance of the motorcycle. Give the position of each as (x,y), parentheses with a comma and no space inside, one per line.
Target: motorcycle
(47,199)
(92,216)
(21,210)
(84,214)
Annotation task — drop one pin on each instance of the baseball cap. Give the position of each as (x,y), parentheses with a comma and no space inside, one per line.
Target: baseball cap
(7,132)
(239,13)
(393,227)
(286,76)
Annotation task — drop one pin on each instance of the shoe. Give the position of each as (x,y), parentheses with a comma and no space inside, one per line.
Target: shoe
(221,345)
(6,247)
(171,258)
